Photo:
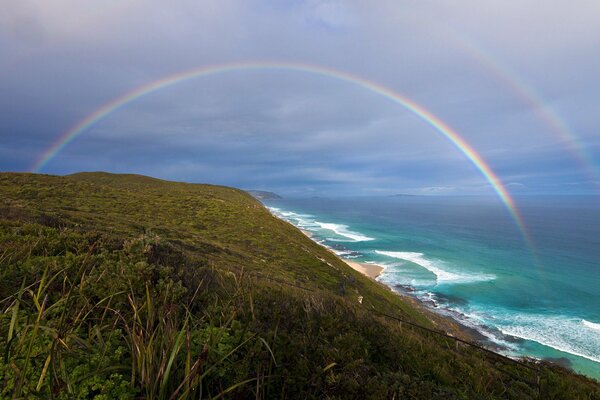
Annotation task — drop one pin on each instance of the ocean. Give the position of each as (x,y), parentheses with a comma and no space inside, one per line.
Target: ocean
(466,258)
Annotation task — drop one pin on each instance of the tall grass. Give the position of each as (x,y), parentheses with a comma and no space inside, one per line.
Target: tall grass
(57,323)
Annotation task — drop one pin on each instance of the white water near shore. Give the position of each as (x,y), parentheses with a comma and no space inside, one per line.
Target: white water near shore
(433,266)
(342,230)
(591,325)
(423,276)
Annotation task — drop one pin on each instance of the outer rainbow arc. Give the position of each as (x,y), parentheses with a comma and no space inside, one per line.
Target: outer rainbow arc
(532,99)
(418,110)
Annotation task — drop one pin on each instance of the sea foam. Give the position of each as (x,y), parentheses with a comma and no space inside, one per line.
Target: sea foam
(567,334)
(342,230)
(591,325)
(303,221)
(308,222)
(433,266)
(559,332)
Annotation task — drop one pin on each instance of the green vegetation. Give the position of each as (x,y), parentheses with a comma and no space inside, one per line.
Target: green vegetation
(123,286)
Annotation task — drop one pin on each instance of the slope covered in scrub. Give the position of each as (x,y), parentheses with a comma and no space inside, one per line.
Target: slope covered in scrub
(125,286)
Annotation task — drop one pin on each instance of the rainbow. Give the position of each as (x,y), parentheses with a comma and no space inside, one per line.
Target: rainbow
(532,99)
(426,116)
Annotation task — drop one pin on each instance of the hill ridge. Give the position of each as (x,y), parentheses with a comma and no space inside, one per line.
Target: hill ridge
(139,277)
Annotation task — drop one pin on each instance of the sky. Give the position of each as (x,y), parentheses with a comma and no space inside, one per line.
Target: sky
(516,80)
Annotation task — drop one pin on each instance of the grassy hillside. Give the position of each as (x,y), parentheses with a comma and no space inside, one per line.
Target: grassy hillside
(124,286)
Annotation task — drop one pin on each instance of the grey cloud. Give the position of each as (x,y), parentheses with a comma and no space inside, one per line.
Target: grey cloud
(290,131)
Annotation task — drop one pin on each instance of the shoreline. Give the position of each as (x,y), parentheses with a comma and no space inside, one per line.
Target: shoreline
(445,320)
(441,321)
(369,270)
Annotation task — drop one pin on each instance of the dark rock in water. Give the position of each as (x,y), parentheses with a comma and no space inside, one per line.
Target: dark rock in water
(343,251)
(263,195)
(404,288)
(562,361)
(339,247)
(429,303)
(449,299)
(513,339)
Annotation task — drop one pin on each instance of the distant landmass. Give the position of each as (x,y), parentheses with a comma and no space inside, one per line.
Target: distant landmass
(264,195)
(405,195)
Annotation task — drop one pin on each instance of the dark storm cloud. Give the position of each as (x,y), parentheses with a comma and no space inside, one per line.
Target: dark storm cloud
(294,132)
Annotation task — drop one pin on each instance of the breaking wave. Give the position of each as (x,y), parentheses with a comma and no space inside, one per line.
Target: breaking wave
(435,267)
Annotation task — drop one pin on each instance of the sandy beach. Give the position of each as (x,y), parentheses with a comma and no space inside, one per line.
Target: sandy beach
(370,270)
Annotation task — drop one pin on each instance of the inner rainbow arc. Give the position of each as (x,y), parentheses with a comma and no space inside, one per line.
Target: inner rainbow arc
(425,115)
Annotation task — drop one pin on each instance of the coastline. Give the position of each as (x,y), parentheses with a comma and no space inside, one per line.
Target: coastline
(435,308)
(369,270)
(441,321)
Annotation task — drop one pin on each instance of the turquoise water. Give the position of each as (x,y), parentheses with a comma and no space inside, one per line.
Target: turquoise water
(465,258)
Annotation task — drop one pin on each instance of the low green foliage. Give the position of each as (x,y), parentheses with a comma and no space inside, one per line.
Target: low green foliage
(122,286)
